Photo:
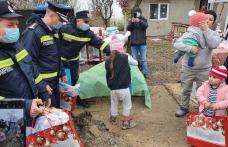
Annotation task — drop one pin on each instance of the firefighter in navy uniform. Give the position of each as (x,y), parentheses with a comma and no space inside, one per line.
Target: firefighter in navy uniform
(73,37)
(18,77)
(42,45)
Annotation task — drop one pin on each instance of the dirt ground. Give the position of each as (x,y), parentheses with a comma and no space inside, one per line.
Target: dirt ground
(156,127)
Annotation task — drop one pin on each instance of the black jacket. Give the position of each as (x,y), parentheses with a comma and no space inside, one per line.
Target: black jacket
(42,45)
(122,74)
(18,77)
(138,31)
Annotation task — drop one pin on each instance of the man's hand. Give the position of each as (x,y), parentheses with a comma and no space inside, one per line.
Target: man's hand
(64,79)
(35,110)
(49,89)
(195,50)
(204,25)
(47,103)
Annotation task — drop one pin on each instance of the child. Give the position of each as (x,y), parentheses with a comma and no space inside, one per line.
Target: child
(190,38)
(213,94)
(118,78)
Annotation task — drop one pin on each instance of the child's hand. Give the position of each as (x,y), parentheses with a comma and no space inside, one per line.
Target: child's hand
(212,106)
(207,105)
(194,50)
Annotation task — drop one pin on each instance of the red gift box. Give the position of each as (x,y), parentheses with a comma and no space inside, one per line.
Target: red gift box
(207,131)
(64,134)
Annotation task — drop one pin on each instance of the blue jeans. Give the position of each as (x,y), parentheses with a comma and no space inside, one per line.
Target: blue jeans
(142,50)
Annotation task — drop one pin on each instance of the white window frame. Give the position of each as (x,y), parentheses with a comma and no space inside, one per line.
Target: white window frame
(159,8)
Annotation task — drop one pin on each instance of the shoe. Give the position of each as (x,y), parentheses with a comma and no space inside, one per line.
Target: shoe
(128,124)
(83,103)
(113,120)
(181,112)
(146,76)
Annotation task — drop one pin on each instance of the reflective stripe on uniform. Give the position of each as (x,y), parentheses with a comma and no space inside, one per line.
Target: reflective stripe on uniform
(56,35)
(9,62)
(46,38)
(49,75)
(1,97)
(21,55)
(67,60)
(72,37)
(38,79)
(103,46)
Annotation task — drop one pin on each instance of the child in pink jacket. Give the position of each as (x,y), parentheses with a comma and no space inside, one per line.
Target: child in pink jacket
(213,94)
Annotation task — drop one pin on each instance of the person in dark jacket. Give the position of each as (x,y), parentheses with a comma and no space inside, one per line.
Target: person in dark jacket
(73,37)
(42,45)
(18,77)
(138,25)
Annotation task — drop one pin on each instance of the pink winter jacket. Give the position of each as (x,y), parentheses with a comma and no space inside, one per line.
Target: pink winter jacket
(221,101)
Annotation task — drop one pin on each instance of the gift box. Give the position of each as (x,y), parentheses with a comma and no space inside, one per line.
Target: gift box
(219,57)
(54,128)
(207,131)
(68,96)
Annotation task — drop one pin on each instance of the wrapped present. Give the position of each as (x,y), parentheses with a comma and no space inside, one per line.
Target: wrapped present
(219,57)
(207,131)
(54,128)
(68,96)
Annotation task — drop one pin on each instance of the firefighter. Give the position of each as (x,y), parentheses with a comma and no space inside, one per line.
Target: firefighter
(18,77)
(42,45)
(73,37)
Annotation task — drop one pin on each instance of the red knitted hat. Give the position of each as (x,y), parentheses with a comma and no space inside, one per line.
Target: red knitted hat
(219,72)
(196,18)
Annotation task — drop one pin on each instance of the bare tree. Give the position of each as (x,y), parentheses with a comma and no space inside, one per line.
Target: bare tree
(104,9)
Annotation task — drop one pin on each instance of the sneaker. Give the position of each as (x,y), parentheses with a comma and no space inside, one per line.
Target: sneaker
(181,112)
(83,103)
(113,120)
(128,124)
(146,76)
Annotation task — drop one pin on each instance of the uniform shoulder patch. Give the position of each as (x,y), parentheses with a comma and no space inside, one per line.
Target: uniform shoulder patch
(33,26)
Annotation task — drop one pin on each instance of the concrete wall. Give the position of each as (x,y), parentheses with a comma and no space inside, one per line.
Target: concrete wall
(178,12)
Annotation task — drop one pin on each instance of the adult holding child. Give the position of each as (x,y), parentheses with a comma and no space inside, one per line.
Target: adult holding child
(207,40)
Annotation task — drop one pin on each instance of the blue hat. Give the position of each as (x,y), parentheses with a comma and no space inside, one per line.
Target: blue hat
(60,9)
(83,15)
(6,10)
(40,9)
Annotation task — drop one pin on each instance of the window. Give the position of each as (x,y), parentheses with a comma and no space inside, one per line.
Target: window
(159,11)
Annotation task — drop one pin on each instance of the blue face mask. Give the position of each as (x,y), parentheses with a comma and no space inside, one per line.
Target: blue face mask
(84,27)
(57,25)
(11,35)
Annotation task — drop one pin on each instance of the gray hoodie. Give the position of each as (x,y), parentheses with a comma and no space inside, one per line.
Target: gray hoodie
(208,40)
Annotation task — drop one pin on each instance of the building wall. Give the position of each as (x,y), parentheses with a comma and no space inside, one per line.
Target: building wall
(223,14)
(178,12)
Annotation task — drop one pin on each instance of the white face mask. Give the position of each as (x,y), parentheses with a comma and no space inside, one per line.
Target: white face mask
(138,14)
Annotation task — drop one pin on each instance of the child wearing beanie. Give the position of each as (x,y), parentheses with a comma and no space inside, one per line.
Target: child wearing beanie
(213,94)
(190,37)
(118,78)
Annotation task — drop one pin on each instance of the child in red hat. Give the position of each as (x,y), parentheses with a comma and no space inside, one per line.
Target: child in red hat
(213,94)
(191,37)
